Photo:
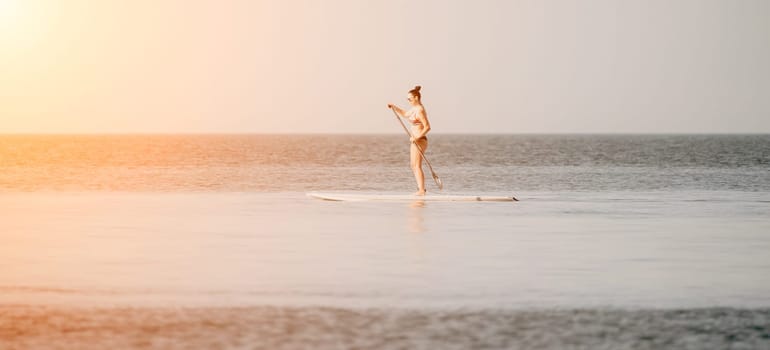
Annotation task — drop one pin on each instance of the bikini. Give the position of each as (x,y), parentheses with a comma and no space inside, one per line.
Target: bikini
(415,121)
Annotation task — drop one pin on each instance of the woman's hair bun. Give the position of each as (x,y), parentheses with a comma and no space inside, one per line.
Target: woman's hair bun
(416,91)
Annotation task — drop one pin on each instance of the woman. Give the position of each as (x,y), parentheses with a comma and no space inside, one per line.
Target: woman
(420,127)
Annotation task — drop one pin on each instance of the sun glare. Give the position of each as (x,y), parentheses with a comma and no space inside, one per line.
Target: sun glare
(10,13)
(24,25)
(8,10)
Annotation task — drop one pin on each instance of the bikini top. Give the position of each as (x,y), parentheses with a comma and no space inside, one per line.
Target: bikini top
(412,119)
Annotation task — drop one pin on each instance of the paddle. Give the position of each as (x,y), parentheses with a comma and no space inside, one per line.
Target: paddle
(435,177)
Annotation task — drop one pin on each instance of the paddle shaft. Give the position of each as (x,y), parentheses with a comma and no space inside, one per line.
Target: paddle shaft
(419,149)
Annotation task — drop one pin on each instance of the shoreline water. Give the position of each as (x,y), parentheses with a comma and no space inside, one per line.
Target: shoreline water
(269,327)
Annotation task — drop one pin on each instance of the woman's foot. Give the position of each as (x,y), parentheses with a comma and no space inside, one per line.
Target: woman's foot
(420,193)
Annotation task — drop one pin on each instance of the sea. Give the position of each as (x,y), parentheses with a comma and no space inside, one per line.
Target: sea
(617,241)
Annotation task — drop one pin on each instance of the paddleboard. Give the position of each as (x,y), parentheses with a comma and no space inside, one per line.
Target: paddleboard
(360,197)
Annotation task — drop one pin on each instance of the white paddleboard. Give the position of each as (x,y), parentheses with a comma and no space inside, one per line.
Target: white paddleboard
(359,197)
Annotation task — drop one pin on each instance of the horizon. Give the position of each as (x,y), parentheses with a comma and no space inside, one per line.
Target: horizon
(384,133)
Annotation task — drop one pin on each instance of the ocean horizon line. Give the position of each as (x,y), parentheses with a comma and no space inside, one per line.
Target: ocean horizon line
(140,133)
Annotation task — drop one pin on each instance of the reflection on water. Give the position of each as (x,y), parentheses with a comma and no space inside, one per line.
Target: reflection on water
(418,251)
(416,219)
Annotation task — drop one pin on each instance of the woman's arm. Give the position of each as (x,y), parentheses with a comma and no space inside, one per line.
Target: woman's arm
(401,113)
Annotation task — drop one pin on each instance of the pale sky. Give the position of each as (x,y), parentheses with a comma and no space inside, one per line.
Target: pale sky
(331,66)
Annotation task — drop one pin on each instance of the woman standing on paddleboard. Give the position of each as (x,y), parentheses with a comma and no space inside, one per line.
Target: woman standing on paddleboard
(420,127)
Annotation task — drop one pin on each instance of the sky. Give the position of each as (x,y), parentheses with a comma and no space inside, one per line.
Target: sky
(332,66)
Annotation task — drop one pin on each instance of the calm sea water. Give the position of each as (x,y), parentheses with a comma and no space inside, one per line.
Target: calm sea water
(603,221)
(475,163)
(618,242)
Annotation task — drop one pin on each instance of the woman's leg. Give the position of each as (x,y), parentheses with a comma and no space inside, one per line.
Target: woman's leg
(416,163)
